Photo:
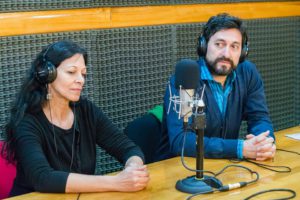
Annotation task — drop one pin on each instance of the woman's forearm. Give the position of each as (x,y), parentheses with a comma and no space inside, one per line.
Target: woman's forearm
(90,183)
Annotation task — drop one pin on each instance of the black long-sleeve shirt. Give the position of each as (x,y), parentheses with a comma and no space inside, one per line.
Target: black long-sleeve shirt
(44,151)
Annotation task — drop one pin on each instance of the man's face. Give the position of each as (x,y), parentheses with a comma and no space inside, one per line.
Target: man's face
(223,51)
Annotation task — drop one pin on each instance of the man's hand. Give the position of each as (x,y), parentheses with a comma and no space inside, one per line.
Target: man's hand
(260,147)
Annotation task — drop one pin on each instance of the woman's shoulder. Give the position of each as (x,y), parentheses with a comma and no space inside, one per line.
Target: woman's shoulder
(31,123)
(32,118)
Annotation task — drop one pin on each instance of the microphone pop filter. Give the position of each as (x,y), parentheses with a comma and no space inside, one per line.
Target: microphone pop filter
(187,74)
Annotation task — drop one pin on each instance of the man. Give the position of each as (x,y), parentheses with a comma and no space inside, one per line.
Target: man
(233,93)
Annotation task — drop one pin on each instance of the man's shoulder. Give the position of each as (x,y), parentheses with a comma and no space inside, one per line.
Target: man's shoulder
(247,64)
(248,74)
(246,68)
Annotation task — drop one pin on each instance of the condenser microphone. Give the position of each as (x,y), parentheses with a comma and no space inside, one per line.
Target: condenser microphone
(190,103)
(187,76)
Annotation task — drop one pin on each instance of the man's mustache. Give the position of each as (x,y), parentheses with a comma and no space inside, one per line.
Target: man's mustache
(224,59)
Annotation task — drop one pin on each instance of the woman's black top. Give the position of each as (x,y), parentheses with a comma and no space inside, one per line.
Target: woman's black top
(46,154)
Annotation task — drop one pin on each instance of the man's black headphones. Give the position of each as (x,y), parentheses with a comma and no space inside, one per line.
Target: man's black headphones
(202,43)
(47,72)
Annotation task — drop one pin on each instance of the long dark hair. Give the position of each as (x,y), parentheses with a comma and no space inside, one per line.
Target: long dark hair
(32,94)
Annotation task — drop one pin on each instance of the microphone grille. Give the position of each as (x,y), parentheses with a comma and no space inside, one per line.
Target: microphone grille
(187,74)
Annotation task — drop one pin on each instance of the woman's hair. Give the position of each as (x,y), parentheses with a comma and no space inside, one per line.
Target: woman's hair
(32,94)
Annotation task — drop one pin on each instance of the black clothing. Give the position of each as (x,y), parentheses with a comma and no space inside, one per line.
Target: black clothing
(44,151)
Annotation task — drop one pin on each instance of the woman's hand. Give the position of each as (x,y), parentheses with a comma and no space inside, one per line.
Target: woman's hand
(134,177)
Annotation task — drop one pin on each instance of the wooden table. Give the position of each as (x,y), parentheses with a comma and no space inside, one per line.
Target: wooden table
(164,175)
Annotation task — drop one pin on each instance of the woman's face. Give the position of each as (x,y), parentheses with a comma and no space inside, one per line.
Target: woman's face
(70,79)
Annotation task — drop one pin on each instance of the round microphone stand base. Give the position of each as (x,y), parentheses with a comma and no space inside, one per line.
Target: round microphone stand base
(194,185)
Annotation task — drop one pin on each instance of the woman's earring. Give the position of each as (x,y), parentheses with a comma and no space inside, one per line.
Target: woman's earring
(49,96)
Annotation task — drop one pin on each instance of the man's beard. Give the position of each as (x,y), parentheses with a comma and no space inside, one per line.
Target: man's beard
(220,71)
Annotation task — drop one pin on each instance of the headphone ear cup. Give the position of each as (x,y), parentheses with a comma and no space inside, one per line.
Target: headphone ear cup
(52,73)
(47,74)
(202,47)
(244,53)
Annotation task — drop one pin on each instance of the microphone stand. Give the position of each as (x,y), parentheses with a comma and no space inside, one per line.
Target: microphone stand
(199,183)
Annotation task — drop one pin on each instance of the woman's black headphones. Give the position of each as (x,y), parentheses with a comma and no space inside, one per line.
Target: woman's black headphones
(208,28)
(47,72)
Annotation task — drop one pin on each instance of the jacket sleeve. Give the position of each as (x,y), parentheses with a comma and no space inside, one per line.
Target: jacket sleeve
(256,110)
(213,147)
(31,157)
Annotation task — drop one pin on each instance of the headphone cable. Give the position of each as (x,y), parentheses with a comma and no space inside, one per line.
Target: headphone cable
(54,137)
(73,139)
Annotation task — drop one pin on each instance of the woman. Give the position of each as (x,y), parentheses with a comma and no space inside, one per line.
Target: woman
(53,132)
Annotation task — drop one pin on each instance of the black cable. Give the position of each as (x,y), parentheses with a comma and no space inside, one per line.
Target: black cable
(198,193)
(274,190)
(54,138)
(242,184)
(285,169)
(241,166)
(229,186)
(73,139)
(222,188)
(269,167)
(288,151)
(54,135)
(78,196)
(182,159)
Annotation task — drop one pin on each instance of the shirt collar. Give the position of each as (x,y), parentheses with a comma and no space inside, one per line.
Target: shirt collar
(206,75)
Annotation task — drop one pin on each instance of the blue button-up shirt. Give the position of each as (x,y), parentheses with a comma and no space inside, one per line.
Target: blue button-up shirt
(219,92)
(221,95)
